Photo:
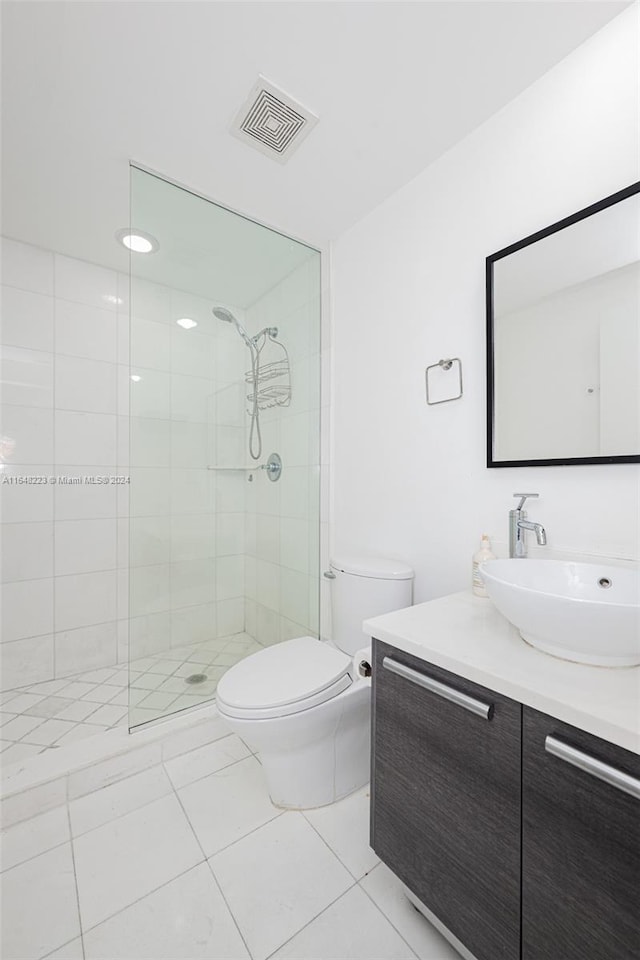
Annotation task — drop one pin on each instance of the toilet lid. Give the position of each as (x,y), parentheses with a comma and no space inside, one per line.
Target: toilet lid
(284,678)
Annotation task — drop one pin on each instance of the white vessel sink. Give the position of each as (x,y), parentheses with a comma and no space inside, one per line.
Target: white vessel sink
(585,612)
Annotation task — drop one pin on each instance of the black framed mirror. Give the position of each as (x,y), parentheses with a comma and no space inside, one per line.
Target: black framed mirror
(563,340)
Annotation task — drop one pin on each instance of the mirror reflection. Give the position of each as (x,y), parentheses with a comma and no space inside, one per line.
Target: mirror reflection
(566,343)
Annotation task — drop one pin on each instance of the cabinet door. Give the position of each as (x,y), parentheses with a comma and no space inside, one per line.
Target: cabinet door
(581,846)
(445,801)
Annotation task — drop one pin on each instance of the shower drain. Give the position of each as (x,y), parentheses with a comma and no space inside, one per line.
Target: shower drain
(196,678)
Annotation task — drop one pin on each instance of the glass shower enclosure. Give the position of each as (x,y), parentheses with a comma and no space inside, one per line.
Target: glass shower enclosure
(224,429)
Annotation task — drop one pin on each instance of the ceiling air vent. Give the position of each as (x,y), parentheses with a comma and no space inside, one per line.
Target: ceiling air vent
(272,121)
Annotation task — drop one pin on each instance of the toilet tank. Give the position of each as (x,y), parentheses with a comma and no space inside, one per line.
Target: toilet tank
(365,587)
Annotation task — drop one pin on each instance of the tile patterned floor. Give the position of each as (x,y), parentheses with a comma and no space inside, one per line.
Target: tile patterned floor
(190,859)
(48,715)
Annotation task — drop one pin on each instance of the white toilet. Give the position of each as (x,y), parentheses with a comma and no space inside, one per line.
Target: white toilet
(302,704)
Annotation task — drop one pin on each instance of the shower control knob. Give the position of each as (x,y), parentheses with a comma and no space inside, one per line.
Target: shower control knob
(273,466)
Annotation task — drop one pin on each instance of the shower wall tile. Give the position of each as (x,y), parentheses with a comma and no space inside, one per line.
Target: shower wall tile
(149,634)
(250,616)
(267,624)
(85,282)
(86,648)
(88,385)
(230,534)
(230,616)
(27,267)
(295,439)
(85,437)
(192,354)
(27,551)
(26,502)
(150,442)
(192,491)
(27,609)
(150,396)
(123,337)
(294,543)
(27,319)
(150,540)
(85,599)
(193,624)
(192,582)
(150,491)
(150,589)
(190,397)
(290,630)
(231,403)
(83,546)
(268,584)
(294,595)
(230,491)
(150,344)
(26,661)
(26,377)
(191,536)
(149,301)
(84,331)
(185,304)
(230,578)
(28,434)
(189,445)
(83,501)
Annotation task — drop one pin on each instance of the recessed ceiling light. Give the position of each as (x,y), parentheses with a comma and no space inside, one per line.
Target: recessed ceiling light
(135,378)
(137,240)
(187,323)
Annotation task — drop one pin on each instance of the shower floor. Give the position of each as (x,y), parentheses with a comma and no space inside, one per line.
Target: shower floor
(46,716)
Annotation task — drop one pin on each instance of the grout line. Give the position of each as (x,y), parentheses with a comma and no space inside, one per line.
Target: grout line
(75,878)
(206,860)
(211,773)
(328,845)
(35,856)
(387,918)
(319,914)
(143,897)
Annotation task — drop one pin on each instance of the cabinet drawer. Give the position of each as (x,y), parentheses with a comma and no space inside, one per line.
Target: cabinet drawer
(580,845)
(445,813)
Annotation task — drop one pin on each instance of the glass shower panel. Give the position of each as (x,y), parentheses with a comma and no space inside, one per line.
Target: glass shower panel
(223,384)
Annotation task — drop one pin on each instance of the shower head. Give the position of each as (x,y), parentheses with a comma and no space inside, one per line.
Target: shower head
(221,313)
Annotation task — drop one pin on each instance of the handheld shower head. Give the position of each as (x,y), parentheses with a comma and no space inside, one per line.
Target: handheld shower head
(221,313)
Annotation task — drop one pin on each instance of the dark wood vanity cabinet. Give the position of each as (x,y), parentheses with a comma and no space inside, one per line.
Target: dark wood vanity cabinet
(580,846)
(478,807)
(446,800)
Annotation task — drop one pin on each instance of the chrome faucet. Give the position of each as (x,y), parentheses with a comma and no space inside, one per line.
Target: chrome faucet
(518,525)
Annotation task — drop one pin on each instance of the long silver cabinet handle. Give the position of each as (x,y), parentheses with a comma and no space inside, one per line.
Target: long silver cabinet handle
(481,709)
(596,768)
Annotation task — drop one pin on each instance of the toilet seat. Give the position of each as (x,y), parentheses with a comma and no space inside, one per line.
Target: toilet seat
(284,679)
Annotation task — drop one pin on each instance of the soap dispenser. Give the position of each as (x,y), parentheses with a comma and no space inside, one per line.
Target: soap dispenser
(484,553)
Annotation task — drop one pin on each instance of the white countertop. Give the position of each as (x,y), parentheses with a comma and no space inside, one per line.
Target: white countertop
(466,635)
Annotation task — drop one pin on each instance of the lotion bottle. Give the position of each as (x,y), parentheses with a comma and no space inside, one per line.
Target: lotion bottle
(484,553)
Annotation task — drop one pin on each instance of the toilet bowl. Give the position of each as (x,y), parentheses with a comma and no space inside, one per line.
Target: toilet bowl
(303,705)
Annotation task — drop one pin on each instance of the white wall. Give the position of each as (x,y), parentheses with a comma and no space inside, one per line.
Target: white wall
(408,288)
